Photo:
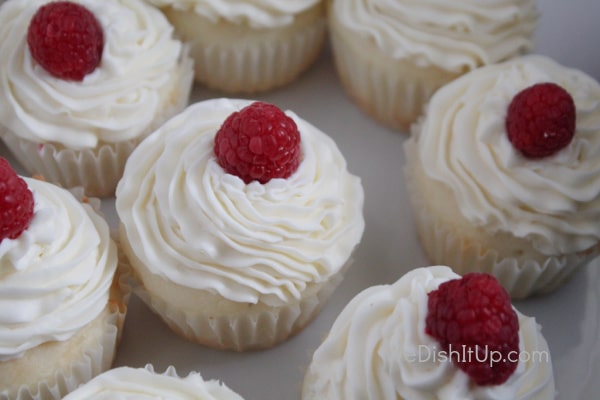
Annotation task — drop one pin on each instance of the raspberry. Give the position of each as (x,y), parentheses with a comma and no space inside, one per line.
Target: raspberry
(16,202)
(541,120)
(473,320)
(66,39)
(258,143)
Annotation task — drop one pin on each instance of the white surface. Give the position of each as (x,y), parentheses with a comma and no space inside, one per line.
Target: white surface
(570,316)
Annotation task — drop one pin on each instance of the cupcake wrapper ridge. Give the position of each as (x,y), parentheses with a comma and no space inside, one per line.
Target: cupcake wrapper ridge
(93,360)
(248,329)
(391,91)
(262,61)
(521,278)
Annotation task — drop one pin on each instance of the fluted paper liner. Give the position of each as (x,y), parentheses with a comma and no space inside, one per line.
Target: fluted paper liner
(168,385)
(391,91)
(240,59)
(98,169)
(521,278)
(92,360)
(248,329)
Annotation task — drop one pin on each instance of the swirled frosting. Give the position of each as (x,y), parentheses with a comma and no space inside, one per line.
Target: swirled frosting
(255,13)
(457,36)
(55,277)
(192,223)
(144,74)
(378,349)
(462,142)
(126,383)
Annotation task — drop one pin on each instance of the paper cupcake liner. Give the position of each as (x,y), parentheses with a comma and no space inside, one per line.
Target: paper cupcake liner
(171,371)
(98,170)
(238,59)
(391,91)
(120,291)
(96,358)
(248,329)
(145,383)
(522,278)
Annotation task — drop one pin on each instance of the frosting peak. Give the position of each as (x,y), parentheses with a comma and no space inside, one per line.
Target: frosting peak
(144,71)
(462,140)
(200,227)
(378,349)
(456,36)
(256,13)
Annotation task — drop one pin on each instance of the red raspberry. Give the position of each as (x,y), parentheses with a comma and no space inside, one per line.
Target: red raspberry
(473,320)
(66,39)
(258,143)
(16,202)
(541,120)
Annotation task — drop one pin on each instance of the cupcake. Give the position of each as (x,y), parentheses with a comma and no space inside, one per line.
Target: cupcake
(62,303)
(123,382)
(239,221)
(392,55)
(432,335)
(504,175)
(249,46)
(73,106)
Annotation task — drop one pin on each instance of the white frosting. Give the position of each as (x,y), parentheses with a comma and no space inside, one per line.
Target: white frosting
(141,76)
(192,223)
(126,383)
(456,36)
(462,143)
(378,349)
(255,13)
(55,277)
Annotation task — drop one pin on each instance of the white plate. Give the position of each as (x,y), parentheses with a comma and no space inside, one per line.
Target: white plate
(568,32)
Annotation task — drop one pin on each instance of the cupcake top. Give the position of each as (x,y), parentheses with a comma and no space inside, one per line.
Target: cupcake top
(456,36)
(191,222)
(143,70)
(127,383)
(256,13)
(462,141)
(56,274)
(378,348)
